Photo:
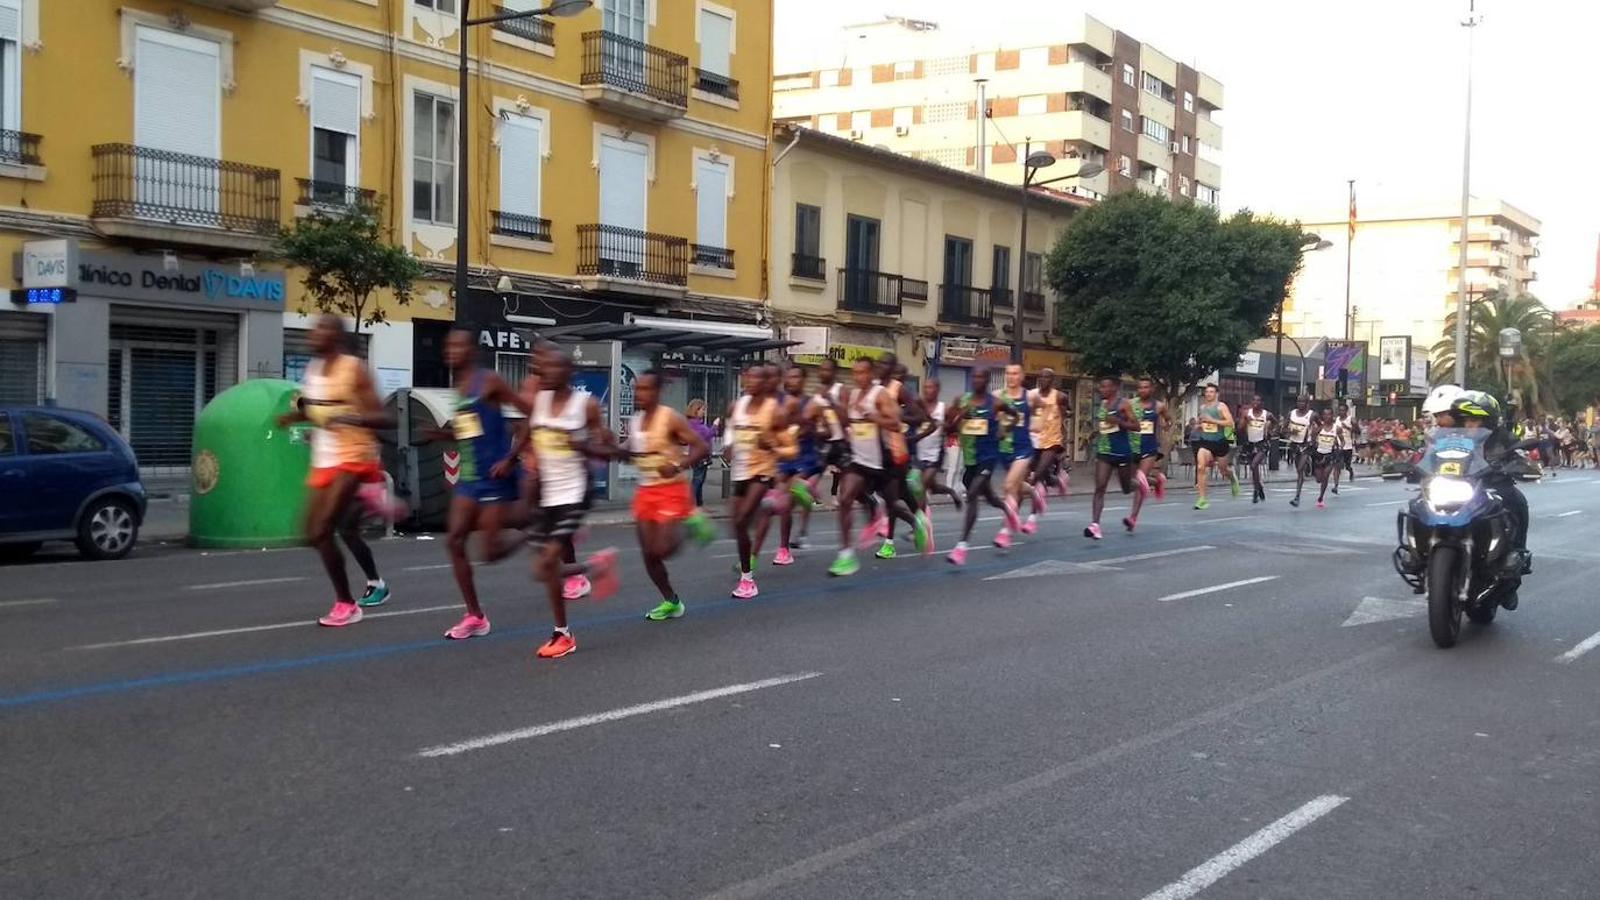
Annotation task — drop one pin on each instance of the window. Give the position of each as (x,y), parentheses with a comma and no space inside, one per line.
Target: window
(1033,273)
(10,66)
(957,261)
(1035,58)
(716,42)
(1128,75)
(828,78)
(1184,188)
(1000,272)
(335,130)
(1031,105)
(433,159)
(711,203)
(985,63)
(1188,102)
(1124,166)
(521,164)
(1205,193)
(444,6)
(1159,132)
(1154,85)
(860,120)
(906,68)
(1127,120)
(808,241)
(48,434)
(1186,143)
(902,116)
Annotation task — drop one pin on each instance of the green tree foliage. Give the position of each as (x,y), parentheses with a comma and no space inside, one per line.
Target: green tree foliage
(1489,314)
(1169,290)
(346,261)
(1574,368)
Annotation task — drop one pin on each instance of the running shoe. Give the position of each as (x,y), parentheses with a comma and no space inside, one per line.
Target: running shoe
(921,532)
(558,646)
(1321,505)
(799,543)
(1336,489)
(1295,502)
(1002,539)
(745,589)
(1092,531)
(700,529)
(879,528)
(885,550)
(1255,497)
(1013,521)
(666,609)
(1130,523)
(1202,503)
(1233,485)
(376,595)
(958,556)
(470,626)
(342,614)
(914,482)
(802,494)
(783,557)
(1161,486)
(1030,524)
(1039,499)
(603,566)
(844,564)
(576,587)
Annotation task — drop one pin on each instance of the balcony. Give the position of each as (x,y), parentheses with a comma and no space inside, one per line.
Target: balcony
(913,290)
(19,148)
(332,196)
(961,304)
(718,260)
(173,198)
(812,268)
(633,78)
(629,261)
(519,227)
(533,29)
(1000,297)
(866,291)
(1033,303)
(1081,77)
(1083,125)
(719,86)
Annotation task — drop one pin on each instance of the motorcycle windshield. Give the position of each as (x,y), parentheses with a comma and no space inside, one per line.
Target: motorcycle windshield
(1454,452)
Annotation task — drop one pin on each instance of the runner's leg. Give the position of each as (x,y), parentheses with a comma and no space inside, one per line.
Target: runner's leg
(1202,471)
(1102,478)
(462,518)
(321,514)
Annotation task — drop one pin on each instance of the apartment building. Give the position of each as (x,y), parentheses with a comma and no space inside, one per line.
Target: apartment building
(153,149)
(1404,265)
(1089,92)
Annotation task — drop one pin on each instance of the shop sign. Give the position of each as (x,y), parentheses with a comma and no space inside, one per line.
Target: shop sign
(813,339)
(680,358)
(149,279)
(1249,363)
(1034,360)
(844,354)
(49,264)
(507,339)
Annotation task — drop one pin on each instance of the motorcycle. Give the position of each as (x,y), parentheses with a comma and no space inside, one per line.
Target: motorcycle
(1456,536)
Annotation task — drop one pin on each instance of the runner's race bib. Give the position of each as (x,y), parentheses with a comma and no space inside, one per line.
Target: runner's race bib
(975,427)
(744,436)
(864,431)
(1297,431)
(1324,443)
(1208,427)
(552,442)
(1147,427)
(1108,426)
(466,425)
(1257,433)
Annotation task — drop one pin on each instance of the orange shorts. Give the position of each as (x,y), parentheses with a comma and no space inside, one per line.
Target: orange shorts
(366,473)
(668,502)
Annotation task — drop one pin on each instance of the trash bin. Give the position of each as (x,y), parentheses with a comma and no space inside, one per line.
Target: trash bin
(249,475)
(425,470)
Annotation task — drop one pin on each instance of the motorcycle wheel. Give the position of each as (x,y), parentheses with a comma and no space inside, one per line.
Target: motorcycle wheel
(1444,613)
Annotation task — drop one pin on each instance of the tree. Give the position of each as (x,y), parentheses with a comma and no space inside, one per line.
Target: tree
(1486,370)
(1169,290)
(1574,368)
(346,260)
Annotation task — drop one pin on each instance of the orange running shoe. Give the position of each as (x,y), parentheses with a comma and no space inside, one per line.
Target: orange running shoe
(603,577)
(558,646)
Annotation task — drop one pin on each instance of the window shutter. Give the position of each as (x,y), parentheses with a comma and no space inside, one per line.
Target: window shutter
(711,203)
(177,90)
(519,165)
(10,21)
(335,101)
(716,42)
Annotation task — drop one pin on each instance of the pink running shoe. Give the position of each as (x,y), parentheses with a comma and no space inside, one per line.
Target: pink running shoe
(1030,524)
(341,614)
(1093,531)
(603,566)
(1013,521)
(1002,539)
(958,556)
(1039,499)
(745,590)
(783,557)
(879,528)
(1143,481)
(470,626)
(1321,505)
(1161,486)
(576,588)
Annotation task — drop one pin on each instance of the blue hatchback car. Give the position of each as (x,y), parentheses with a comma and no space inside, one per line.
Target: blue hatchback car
(66,475)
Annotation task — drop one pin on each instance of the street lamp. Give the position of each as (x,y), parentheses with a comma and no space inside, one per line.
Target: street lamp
(558,10)
(1032,162)
(1510,349)
(1463,307)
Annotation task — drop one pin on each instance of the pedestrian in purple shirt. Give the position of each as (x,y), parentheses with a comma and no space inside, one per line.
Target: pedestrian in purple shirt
(696,414)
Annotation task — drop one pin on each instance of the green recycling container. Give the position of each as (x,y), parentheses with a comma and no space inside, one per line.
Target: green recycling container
(249,474)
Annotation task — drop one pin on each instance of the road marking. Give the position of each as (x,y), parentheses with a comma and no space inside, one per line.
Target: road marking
(1217,867)
(1141,557)
(37,602)
(1216,587)
(1377,609)
(1583,646)
(1570,512)
(234,584)
(626,712)
(1226,519)
(1048,567)
(250,629)
(1384,503)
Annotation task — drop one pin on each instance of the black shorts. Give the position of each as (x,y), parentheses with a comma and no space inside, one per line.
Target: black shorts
(1114,459)
(1219,449)
(1261,447)
(761,483)
(969,474)
(554,523)
(837,454)
(1324,460)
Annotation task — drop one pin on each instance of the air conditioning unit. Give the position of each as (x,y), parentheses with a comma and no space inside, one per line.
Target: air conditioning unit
(1174,146)
(856,134)
(902,130)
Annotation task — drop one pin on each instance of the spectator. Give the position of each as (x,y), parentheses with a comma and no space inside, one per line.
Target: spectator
(696,414)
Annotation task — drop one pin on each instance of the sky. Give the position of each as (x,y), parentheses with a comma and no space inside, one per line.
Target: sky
(1318,93)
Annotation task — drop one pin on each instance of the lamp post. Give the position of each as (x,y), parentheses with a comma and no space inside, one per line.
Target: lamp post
(1462,308)
(1349,250)
(1313,243)
(557,10)
(1032,163)
(1510,348)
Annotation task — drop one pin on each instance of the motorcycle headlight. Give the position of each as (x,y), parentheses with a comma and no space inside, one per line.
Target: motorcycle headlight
(1442,492)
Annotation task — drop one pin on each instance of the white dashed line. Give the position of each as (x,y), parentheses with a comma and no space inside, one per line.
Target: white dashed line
(1217,867)
(1216,587)
(223,632)
(1583,646)
(235,584)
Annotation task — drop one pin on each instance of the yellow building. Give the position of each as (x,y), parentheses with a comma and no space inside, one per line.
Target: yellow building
(617,167)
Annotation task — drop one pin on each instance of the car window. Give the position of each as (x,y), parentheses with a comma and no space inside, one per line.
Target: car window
(6,441)
(48,434)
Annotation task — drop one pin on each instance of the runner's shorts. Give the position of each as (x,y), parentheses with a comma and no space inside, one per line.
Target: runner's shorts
(555,523)
(760,484)
(669,502)
(365,473)
(488,490)
(875,478)
(969,474)
(1219,449)
(837,455)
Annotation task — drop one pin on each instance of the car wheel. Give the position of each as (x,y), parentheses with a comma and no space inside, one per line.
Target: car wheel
(108,530)
(19,551)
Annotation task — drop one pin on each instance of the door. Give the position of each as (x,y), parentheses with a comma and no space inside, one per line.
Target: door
(177,116)
(958,275)
(861,262)
(624,59)
(163,368)
(22,358)
(64,462)
(623,181)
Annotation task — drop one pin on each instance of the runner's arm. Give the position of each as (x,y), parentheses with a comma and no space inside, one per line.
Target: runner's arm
(598,443)
(687,437)
(370,412)
(888,412)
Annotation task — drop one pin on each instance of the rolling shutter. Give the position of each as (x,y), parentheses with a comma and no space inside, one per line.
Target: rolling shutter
(520,141)
(22,358)
(335,101)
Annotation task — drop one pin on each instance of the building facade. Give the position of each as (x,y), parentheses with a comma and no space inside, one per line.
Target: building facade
(1092,92)
(1403,268)
(616,165)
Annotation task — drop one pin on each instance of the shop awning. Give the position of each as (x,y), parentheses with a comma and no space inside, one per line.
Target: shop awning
(676,337)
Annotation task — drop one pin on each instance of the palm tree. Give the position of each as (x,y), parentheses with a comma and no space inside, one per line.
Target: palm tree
(1489,314)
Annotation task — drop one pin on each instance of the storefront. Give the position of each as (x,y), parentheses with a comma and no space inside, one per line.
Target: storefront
(844,344)
(150,339)
(958,356)
(23,354)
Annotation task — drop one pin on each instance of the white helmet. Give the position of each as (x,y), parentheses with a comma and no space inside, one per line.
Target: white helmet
(1440,398)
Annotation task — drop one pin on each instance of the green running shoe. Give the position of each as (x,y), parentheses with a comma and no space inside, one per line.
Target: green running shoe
(802,495)
(886,551)
(1233,485)
(666,609)
(919,533)
(376,595)
(844,564)
(1202,504)
(914,481)
(700,529)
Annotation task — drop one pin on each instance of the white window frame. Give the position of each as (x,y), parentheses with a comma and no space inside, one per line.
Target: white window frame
(828,78)
(1124,166)
(905,68)
(986,63)
(132,20)
(443,7)
(1033,104)
(11,69)
(352,176)
(1188,102)
(413,153)
(1155,131)
(904,116)
(710,157)
(860,120)
(1186,145)
(1184,187)
(704,8)
(1033,58)
(508,120)
(1129,75)
(1127,121)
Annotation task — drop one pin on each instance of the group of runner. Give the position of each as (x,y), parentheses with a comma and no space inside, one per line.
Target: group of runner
(1318,443)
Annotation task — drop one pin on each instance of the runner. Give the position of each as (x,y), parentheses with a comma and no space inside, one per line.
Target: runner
(1346,421)
(755,422)
(1216,427)
(930,450)
(1301,419)
(976,417)
(794,474)
(1258,422)
(337,396)
(1326,452)
(830,392)
(871,414)
(664,447)
(1116,430)
(1018,446)
(487,484)
(1151,414)
(1052,411)
(900,471)
(567,431)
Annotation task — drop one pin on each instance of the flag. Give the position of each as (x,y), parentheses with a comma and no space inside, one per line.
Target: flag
(1352,211)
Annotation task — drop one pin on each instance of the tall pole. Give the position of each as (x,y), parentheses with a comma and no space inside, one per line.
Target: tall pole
(981,155)
(1462,307)
(461,160)
(1277,368)
(1022,259)
(1349,250)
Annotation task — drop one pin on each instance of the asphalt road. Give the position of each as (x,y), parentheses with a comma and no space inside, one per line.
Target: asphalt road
(1241,702)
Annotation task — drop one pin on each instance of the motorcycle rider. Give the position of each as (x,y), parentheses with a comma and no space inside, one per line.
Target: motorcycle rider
(1473,410)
